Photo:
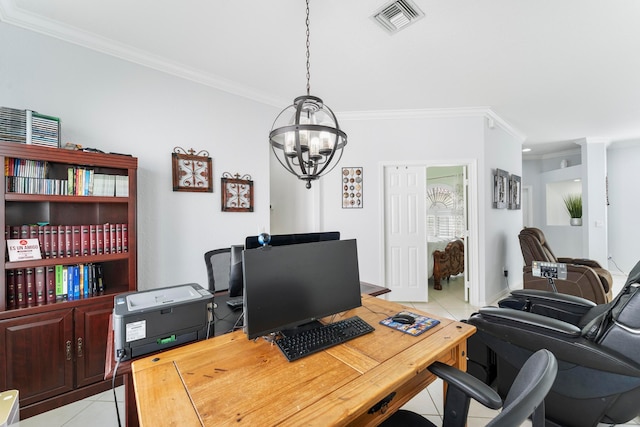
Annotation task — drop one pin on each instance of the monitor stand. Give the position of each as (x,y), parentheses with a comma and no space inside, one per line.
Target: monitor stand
(314,324)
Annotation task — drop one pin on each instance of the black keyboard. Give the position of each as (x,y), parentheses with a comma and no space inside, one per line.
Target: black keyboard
(317,339)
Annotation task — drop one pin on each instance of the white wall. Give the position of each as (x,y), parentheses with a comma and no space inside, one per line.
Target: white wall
(499,244)
(378,139)
(117,106)
(623,159)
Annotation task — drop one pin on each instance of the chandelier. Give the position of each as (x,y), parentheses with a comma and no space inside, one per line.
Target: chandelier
(305,136)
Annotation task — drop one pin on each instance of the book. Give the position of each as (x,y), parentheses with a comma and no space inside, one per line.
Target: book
(99,239)
(40,286)
(50,283)
(59,283)
(68,241)
(84,239)
(29,287)
(41,240)
(80,268)
(421,324)
(76,282)
(93,242)
(118,245)
(92,279)
(76,245)
(54,241)
(106,238)
(11,289)
(46,231)
(125,238)
(100,278)
(86,286)
(21,300)
(112,238)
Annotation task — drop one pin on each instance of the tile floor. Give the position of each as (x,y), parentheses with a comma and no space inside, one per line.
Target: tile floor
(100,411)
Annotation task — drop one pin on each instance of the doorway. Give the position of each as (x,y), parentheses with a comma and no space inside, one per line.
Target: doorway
(408,221)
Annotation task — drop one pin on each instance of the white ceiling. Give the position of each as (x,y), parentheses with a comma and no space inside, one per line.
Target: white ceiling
(555,70)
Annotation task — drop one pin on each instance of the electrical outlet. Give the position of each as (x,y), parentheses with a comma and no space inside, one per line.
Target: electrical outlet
(506,273)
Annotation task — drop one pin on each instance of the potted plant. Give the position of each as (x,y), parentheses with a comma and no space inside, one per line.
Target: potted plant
(573,204)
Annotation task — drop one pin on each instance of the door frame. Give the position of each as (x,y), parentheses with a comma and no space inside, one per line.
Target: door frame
(476,286)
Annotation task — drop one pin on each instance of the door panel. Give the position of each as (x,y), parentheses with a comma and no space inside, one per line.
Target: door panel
(405,233)
(37,355)
(92,324)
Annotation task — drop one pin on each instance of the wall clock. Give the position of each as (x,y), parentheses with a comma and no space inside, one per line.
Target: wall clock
(191,171)
(237,193)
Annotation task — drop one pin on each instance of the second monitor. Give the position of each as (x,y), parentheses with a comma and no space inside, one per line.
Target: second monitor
(251,242)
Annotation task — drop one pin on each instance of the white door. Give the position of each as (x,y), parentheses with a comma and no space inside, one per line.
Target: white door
(405,232)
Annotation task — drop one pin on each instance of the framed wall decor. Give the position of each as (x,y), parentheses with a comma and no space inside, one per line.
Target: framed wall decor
(237,193)
(500,189)
(192,171)
(351,187)
(514,192)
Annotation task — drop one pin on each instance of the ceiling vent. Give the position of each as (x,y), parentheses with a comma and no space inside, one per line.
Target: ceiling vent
(397,15)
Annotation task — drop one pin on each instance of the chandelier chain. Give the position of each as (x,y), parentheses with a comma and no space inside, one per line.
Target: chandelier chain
(308,65)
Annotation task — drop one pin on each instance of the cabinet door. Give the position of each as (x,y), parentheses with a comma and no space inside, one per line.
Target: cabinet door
(37,355)
(91,328)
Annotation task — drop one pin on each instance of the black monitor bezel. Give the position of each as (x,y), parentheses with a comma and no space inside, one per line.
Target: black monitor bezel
(351,296)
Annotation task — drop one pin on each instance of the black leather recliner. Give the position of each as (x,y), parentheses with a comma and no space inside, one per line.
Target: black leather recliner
(597,347)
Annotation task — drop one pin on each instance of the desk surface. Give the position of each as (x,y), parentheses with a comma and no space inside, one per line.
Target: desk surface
(232,380)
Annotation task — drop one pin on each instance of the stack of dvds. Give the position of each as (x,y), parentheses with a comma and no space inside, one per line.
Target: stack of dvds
(43,130)
(13,125)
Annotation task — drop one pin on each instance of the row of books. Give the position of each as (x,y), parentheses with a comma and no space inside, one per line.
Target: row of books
(30,177)
(25,167)
(29,127)
(29,287)
(63,241)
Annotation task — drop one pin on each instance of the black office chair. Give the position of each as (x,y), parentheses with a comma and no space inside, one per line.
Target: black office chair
(597,347)
(525,399)
(218,262)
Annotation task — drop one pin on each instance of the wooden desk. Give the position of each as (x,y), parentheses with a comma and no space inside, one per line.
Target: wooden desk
(230,380)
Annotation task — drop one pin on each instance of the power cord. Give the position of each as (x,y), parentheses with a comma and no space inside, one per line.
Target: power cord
(120,354)
(610,258)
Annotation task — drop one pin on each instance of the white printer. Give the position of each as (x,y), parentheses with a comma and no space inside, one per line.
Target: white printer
(148,321)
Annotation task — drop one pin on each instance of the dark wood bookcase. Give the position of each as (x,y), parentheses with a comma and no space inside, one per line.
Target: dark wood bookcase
(54,353)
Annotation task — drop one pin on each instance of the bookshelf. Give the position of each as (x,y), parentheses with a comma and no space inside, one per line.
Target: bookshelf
(55,350)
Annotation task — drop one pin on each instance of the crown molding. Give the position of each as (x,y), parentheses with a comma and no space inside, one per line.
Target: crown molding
(435,113)
(13,15)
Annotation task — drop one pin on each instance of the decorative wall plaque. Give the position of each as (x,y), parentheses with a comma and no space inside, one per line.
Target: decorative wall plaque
(500,189)
(237,193)
(352,185)
(191,171)
(514,192)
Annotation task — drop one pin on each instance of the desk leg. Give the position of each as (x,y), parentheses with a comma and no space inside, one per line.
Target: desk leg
(459,361)
(130,401)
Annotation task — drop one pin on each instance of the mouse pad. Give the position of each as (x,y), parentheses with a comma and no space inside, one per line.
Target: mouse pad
(422,323)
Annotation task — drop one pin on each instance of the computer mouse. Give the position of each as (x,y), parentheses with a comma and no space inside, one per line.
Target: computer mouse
(405,319)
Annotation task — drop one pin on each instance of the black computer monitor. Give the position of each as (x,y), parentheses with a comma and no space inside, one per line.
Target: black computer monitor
(288,286)
(251,242)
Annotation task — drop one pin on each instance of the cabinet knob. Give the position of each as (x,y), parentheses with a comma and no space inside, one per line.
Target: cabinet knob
(68,347)
(79,347)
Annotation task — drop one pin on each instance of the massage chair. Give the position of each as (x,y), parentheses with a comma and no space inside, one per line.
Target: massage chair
(597,347)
